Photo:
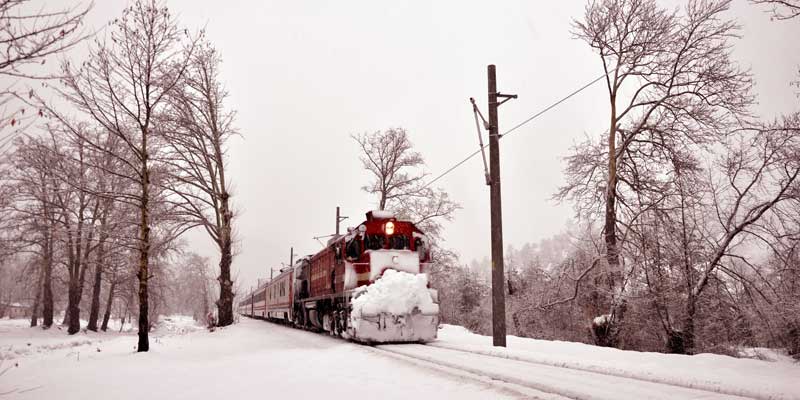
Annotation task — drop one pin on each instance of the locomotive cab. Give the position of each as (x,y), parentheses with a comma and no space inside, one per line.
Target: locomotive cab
(381,231)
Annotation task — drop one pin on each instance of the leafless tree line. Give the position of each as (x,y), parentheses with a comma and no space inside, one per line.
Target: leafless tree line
(132,157)
(691,189)
(687,206)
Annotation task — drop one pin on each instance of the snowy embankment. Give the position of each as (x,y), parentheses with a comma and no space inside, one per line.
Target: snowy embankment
(722,374)
(17,339)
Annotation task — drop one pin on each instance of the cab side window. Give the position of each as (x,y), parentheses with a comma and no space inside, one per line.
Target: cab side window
(354,248)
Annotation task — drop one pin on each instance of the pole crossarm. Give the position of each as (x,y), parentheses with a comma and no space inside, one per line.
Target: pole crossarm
(507,97)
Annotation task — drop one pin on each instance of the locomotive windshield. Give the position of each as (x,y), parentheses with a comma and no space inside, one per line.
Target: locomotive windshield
(375,242)
(378,242)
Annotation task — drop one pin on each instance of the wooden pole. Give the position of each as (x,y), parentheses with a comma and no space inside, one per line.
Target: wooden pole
(337,220)
(498,289)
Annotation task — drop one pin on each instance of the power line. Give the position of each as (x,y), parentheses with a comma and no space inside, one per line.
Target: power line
(531,118)
(554,105)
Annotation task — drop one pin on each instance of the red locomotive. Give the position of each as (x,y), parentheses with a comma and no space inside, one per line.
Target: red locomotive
(318,290)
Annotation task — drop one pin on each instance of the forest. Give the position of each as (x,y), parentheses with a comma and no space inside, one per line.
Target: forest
(686,229)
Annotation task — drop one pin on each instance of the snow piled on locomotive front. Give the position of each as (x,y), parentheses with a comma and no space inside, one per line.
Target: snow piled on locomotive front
(396,292)
(398,307)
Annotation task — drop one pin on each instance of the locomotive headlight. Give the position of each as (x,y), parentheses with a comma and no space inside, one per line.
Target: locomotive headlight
(395,259)
(389,228)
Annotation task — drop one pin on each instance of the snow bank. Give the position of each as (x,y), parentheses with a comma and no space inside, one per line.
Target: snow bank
(18,339)
(722,374)
(177,324)
(397,293)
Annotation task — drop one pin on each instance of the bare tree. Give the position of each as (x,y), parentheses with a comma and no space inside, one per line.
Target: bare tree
(761,175)
(32,211)
(781,9)
(113,219)
(122,87)
(199,128)
(191,286)
(30,34)
(388,156)
(83,209)
(672,85)
(398,180)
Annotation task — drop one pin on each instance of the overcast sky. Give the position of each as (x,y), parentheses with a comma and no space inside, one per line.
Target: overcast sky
(305,75)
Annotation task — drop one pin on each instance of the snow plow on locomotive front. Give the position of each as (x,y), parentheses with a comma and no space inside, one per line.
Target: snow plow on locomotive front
(369,285)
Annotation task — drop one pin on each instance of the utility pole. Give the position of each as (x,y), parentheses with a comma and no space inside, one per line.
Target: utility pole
(291,256)
(498,275)
(338,219)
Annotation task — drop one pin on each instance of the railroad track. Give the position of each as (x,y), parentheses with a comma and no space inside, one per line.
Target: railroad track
(528,379)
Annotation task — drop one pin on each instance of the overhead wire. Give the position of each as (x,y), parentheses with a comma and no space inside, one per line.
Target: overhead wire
(519,125)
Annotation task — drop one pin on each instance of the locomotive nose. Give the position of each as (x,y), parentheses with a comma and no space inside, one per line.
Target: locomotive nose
(400,260)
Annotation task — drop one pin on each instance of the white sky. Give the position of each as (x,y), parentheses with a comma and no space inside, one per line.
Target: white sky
(303,76)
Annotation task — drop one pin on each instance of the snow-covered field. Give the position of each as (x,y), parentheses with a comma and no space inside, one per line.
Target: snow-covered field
(711,372)
(265,360)
(253,359)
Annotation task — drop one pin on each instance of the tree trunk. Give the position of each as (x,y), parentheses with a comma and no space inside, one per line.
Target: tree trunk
(688,324)
(94,312)
(144,253)
(75,293)
(73,308)
(225,303)
(37,299)
(610,226)
(676,342)
(109,303)
(517,323)
(47,289)
(206,307)
(65,321)
(605,332)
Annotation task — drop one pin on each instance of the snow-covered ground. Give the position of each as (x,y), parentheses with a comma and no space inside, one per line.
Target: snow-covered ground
(261,359)
(252,359)
(711,372)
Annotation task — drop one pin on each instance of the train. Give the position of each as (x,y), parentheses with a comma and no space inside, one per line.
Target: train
(318,292)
